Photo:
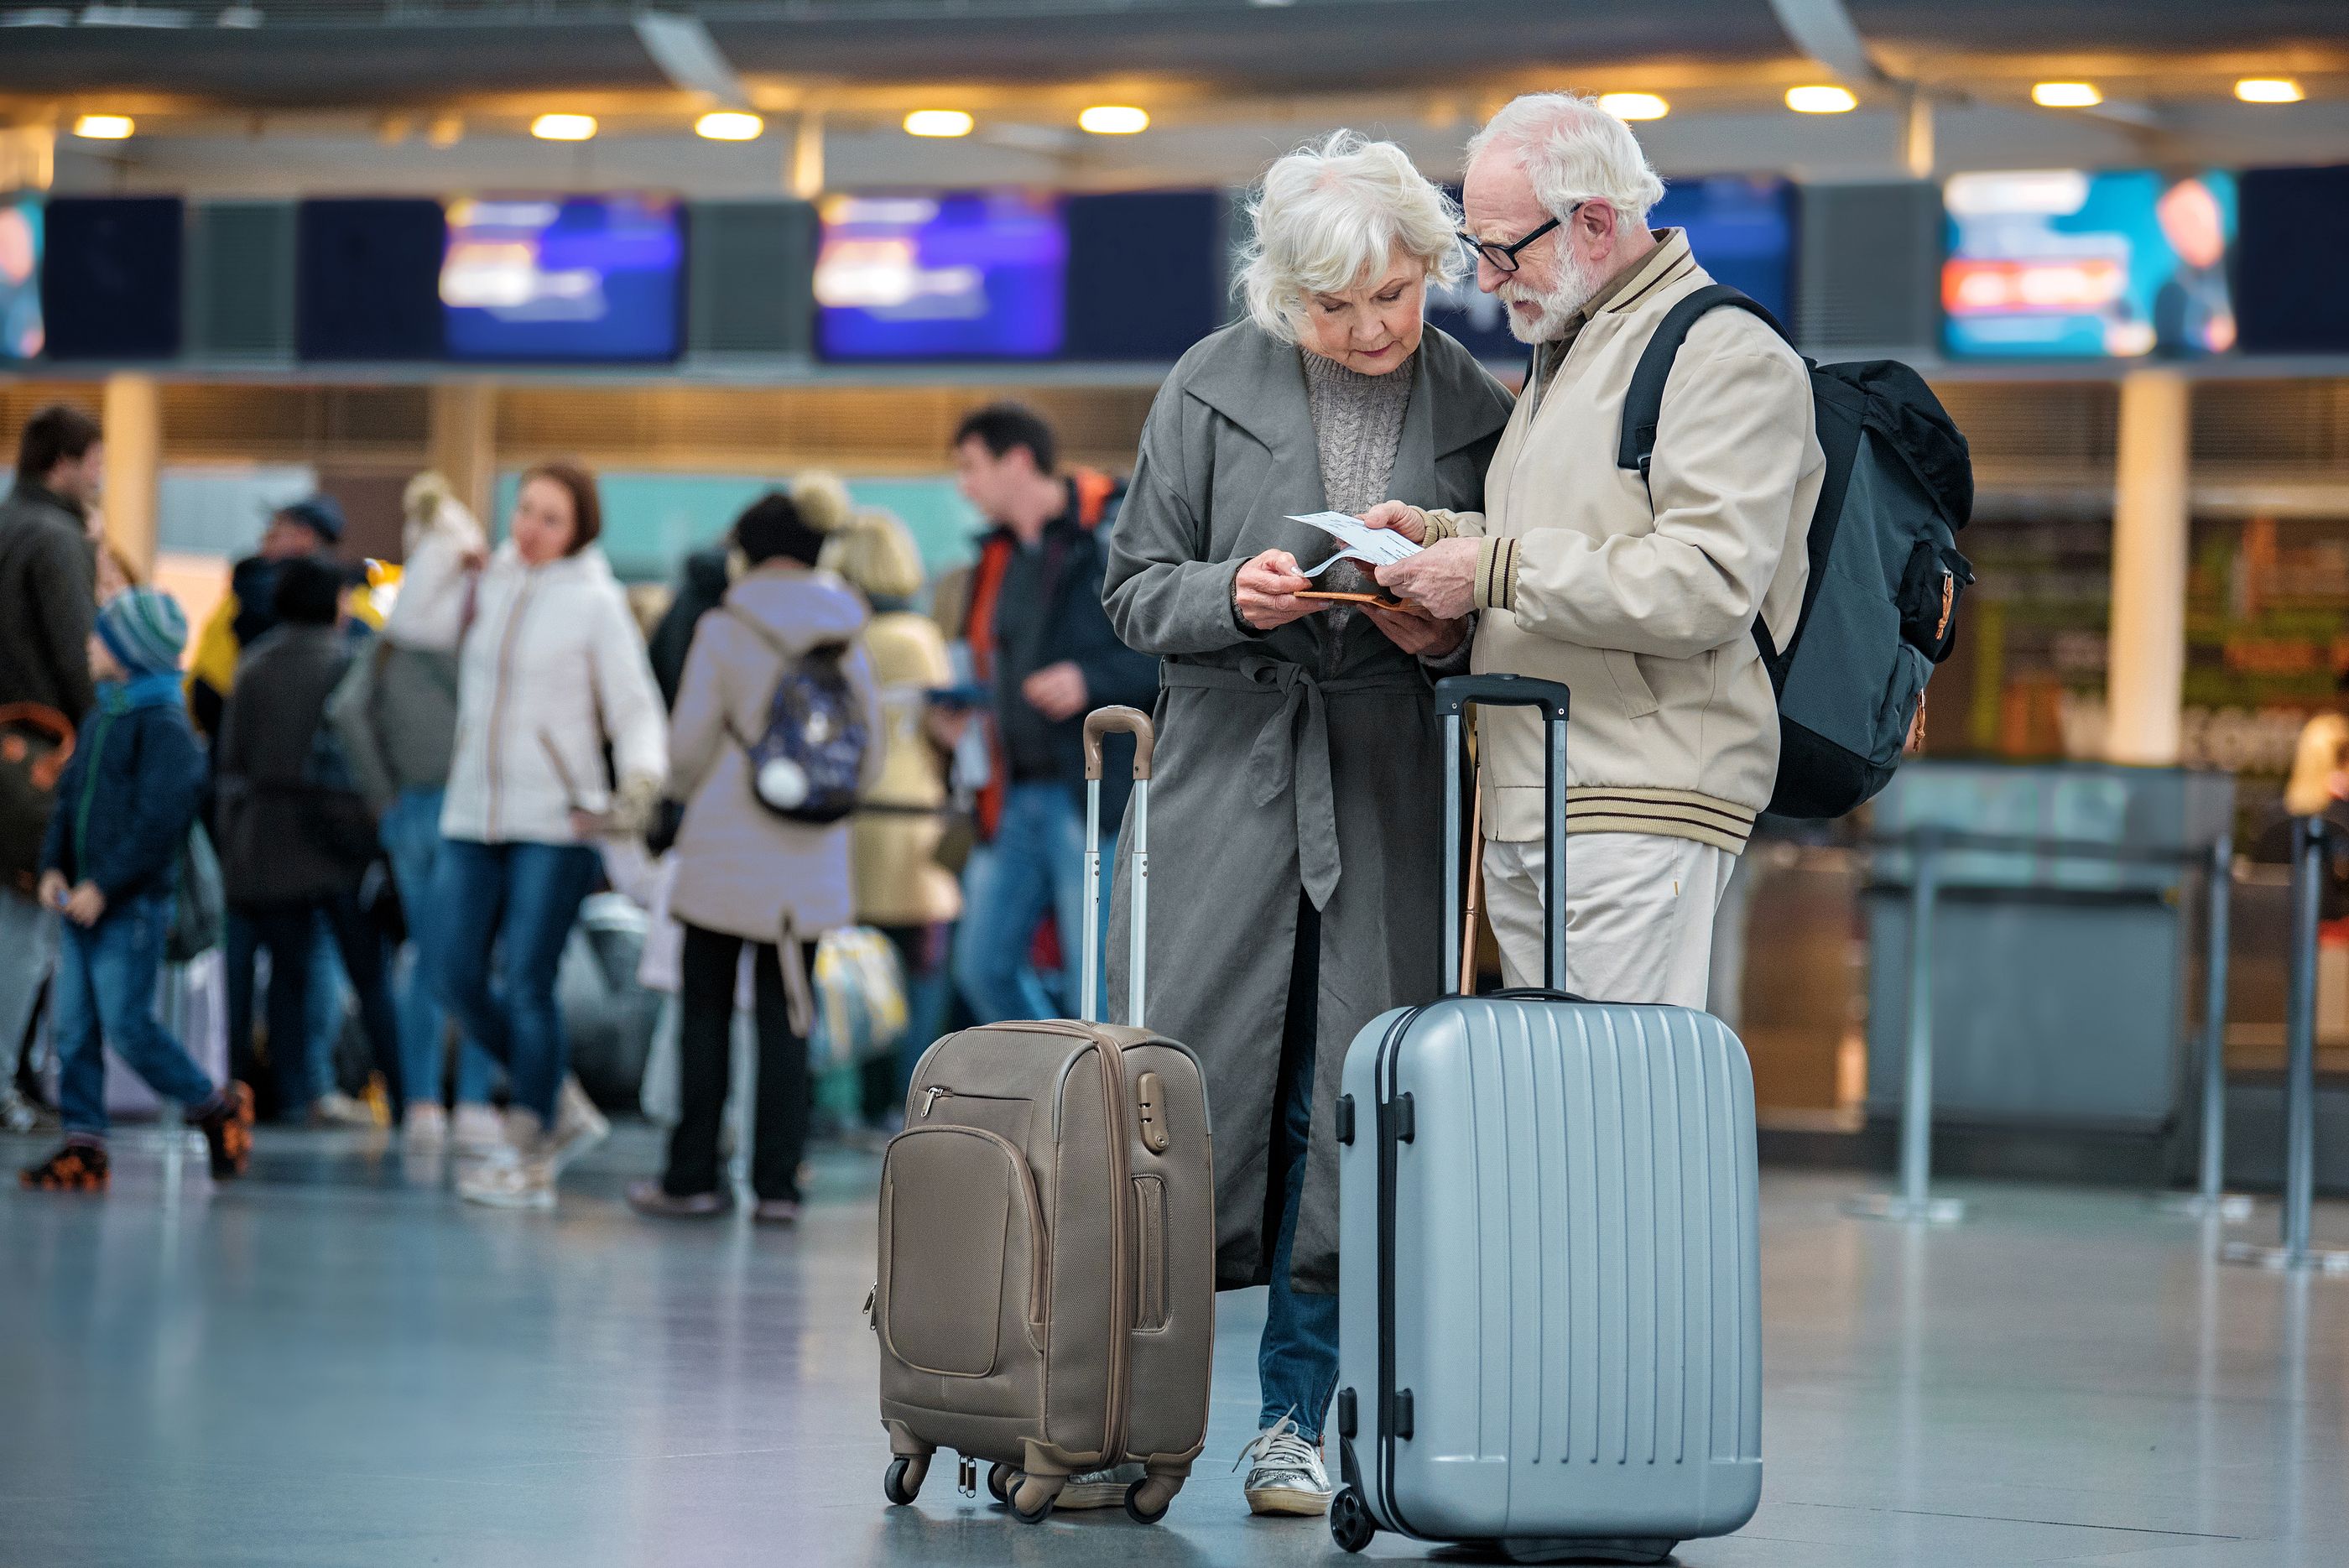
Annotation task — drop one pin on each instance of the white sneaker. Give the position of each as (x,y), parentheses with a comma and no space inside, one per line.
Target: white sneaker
(578,1124)
(1287,1476)
(426,1130)
(336,1109)
(509,1179)
(476,1129)
(1099,1488)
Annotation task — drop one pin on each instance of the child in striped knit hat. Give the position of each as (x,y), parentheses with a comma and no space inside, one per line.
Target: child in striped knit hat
(111,864)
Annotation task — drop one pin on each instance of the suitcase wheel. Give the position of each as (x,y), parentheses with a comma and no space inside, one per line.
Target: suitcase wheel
(1001,1480)
(1349,1521)
(1147,1500)
(1032,1498)
(903,1484)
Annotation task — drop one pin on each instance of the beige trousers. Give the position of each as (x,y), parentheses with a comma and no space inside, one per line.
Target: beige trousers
(1638,914)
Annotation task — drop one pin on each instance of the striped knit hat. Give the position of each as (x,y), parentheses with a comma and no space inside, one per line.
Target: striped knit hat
(144,629)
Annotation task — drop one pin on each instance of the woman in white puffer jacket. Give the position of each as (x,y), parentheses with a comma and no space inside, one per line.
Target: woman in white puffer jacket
(551,671)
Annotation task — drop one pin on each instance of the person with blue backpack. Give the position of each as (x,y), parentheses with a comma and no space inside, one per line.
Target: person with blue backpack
(777,733)
(1739,564)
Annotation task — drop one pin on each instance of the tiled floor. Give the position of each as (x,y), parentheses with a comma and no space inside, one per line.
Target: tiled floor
(334,1363)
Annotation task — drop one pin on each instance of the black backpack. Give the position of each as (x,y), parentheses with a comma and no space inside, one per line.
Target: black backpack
(1881,608)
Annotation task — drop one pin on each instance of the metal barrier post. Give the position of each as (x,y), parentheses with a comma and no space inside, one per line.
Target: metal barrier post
(2211,1198)
(2310,839)
(1915,1200)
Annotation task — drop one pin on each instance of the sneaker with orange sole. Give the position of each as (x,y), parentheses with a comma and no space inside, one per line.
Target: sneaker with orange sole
(228,1132)
(77,1167)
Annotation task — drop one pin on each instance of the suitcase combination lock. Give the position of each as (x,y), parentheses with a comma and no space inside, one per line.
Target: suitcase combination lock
(1152,1096)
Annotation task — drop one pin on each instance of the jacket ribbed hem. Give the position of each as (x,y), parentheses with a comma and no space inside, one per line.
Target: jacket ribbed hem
(1496,574)
(1669,813)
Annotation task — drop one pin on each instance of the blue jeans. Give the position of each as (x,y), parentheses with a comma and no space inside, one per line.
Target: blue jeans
(520,898)
(1297,1359)
(410,831)
(1036,862)
(106,996)
(307,1071)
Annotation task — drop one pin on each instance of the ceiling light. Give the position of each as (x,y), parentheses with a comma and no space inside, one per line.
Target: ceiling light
(729,125)
(1634,105)
(938,122)
(2268,89)
(104,127)
(564,127)
(2066,95)
(1821,100)
(1113,119)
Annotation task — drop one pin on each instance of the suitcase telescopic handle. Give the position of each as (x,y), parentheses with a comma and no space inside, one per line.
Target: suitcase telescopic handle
(1102,722)
(1452,695)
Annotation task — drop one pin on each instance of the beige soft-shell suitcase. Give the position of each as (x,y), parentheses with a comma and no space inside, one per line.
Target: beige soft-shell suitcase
(1046,1294)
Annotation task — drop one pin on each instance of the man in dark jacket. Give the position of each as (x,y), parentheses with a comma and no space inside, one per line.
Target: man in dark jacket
(47,600)
(1048,657)
(306,529)
(296,835)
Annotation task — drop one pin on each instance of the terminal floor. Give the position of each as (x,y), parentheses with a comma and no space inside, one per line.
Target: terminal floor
(334,1363)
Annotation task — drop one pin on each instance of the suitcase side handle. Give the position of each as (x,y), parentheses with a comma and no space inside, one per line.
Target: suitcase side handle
(1452,695)
(1102,722)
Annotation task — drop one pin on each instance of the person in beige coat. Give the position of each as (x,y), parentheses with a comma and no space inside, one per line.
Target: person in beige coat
(745,874)
(1638,592)
(901,888)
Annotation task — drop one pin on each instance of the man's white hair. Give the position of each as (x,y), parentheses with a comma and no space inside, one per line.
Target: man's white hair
(1573,150)
(1331,214)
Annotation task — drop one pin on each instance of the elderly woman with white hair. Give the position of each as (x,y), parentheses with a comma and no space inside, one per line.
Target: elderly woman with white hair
(1295,735)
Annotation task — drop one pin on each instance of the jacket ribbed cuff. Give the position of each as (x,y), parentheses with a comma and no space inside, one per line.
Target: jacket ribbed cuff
(1496,574)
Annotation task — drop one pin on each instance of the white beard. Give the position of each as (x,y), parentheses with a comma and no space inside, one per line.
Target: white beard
(1576,282)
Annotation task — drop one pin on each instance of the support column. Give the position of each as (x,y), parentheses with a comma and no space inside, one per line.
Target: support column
(2146,681)
(462,442)
(133,420)
(805,174)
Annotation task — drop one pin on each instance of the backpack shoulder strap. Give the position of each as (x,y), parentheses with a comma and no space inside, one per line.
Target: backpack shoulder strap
(1643,403)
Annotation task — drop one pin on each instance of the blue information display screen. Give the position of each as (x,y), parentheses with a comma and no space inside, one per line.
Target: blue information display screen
(978,276)
(20,275)
(1740,230)
(2066,264)
(582,279)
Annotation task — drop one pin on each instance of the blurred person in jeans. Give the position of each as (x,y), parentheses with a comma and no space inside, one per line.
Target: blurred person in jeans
(110,865)
(295,835)
(745,874)
(47,606)
(1043,645)
(396,712)
(551,673)
(901,888)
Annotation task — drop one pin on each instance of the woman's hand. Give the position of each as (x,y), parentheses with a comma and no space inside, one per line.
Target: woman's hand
(1264,592)
(1421,635)
(1399,516)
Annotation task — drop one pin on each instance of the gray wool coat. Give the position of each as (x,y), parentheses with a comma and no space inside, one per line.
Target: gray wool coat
(1289,764)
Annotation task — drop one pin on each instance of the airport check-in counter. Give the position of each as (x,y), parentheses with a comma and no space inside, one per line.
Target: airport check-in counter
(2063,1026)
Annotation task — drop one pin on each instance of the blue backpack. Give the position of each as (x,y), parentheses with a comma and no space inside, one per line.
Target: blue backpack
(804,766)
(1881,608)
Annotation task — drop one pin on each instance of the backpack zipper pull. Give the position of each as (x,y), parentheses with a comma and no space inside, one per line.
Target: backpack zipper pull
(930,1098)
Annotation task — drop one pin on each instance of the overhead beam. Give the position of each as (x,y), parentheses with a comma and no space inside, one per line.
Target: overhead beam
(685,53)
(1823,30)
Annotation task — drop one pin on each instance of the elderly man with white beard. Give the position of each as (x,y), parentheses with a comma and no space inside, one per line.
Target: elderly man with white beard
(1641,592)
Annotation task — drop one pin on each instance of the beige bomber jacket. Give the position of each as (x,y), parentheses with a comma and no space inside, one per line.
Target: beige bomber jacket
(1645,608)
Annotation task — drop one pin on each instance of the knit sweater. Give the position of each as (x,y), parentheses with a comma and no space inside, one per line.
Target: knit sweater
(1357,425)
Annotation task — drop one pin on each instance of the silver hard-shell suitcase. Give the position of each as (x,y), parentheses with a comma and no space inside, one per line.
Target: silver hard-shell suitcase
(1549,1311)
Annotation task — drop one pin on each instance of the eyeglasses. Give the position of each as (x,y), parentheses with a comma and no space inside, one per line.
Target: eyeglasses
(1504,258)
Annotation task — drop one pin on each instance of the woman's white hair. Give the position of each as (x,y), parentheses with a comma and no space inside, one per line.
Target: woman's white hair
(1330,214)
(1573,150)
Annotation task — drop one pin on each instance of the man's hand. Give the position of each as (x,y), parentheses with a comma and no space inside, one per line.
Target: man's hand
(85,903)
(1266,591)
(1399,516)
(53,890)
(1056,691)
(1416,634)
(1440,579)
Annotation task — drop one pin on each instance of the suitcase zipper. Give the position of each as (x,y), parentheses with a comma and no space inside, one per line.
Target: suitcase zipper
(1393,1406)
(1122,1222)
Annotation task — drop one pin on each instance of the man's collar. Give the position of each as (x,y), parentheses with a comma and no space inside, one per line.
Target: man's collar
(39,492)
